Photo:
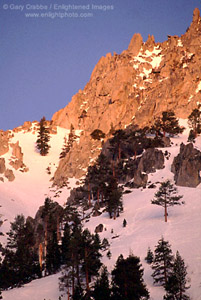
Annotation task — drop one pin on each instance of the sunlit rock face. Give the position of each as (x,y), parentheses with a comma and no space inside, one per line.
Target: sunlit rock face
(133,87)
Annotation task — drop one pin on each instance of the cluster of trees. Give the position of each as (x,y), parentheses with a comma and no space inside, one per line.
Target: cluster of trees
(118,160)
(103,186)
(168,271)
(81,256)
(20,258)
(127,283)
(36,249)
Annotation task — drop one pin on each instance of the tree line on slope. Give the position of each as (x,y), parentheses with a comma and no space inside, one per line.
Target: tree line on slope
(84,277)
(33,251)
(167,123)
(77,252)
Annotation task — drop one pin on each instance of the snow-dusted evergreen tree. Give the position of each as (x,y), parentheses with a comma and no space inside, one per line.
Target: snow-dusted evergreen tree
(167,196)
(177,283)
(68,142)
(162,263)
(194,121)
(150,256)
(43,138)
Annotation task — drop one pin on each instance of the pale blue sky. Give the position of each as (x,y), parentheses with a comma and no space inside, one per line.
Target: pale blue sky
(45,61)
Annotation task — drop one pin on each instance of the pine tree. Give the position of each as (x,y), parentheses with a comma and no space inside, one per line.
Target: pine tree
(191,137)
(194,121)
(167,196)
(113,196)
(71,252)
(68,143)
(101,288)
(20,263)
(124,223)
(162,263)
(115,143)
(97,134)
(176,284)
(53,256)
(78,294)
(65,248)
(169,123)
(156,128)
(51,214)
(97,177)
(65,281)
(91,256)
(43,138)
(150,256)
(127,279)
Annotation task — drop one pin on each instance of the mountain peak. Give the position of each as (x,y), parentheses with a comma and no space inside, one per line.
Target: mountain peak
(196,15)
(135,44)
(135,87)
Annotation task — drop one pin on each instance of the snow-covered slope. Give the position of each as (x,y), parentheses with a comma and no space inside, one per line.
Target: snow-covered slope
(29,189)
(145,222)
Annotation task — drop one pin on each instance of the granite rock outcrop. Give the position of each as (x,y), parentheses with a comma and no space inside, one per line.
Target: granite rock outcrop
(133,87)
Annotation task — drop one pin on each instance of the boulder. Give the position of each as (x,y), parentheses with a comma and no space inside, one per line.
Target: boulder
(151,160)
(99,228)
(17,155)
(17,151)
(186,166)
(140,179)
(9,175)
(166,141)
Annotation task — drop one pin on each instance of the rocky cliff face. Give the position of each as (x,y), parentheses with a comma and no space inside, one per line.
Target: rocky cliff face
(186,166)
(134,87)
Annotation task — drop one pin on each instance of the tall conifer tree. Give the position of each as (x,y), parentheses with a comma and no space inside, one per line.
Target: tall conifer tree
(194,121)
(163,262)
(127,280)
(43,138)
(102,288)
(177,283)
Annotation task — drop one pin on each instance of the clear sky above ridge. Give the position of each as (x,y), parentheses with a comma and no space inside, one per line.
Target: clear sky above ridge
(48,48)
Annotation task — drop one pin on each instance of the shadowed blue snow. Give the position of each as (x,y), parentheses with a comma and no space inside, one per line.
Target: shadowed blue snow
(46,58)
